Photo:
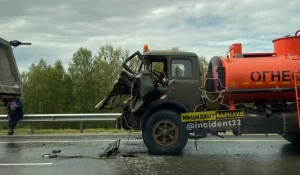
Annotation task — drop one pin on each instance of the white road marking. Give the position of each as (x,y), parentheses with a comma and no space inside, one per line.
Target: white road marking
(125,140)
(238,140)
(22,164)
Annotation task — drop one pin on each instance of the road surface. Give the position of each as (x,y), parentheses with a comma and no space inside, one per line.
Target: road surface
(251,155)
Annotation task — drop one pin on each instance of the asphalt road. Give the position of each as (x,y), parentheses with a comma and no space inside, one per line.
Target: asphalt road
(229,155)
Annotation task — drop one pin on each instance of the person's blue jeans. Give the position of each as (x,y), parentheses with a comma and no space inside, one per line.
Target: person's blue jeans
(12,122)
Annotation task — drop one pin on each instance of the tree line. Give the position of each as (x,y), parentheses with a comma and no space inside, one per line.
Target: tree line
(52,89)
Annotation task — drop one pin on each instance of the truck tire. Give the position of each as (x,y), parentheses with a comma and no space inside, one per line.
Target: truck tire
(210,84)
(176,137)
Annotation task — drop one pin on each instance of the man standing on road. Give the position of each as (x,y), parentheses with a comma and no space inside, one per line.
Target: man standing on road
(15,113)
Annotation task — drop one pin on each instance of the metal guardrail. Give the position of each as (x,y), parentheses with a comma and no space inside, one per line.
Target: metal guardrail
(31,118)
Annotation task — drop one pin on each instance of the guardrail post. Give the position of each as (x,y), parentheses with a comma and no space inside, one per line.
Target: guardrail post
(81,127)
(31,128)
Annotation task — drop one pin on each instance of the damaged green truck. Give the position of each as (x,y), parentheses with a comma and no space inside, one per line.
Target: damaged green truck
(156,99)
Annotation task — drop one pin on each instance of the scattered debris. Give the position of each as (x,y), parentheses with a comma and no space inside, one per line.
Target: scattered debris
(56,151)
(129,155)
(112,149)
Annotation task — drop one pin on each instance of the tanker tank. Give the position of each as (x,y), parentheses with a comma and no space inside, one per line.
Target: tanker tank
(256,77)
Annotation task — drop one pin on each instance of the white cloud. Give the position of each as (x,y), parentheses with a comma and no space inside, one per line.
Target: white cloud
(58,28)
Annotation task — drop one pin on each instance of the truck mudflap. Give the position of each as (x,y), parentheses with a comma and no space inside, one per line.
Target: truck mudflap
(278,123)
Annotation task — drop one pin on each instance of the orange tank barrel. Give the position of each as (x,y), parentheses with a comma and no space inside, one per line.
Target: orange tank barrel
(287,45)
(256,77)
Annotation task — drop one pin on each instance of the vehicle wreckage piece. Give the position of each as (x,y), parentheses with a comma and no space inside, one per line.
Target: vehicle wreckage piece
(112,149)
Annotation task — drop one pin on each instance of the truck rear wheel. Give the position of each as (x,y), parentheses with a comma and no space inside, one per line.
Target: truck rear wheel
(164,133)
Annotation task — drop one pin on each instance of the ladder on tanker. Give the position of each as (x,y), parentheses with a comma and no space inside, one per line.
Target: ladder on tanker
(296,73)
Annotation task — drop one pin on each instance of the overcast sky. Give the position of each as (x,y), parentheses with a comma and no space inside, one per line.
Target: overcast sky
(57,29)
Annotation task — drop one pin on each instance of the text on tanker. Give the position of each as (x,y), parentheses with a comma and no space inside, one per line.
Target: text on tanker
(272,75)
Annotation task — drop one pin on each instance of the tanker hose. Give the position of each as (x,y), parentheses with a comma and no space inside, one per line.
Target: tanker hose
(296,34)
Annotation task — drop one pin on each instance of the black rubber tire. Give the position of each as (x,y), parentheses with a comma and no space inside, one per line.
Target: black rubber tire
(178,145)
(214,61)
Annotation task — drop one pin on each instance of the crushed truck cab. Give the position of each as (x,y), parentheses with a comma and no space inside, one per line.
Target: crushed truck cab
(156,94)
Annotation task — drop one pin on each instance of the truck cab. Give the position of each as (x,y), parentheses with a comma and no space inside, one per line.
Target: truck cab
(162,85)
(180,70)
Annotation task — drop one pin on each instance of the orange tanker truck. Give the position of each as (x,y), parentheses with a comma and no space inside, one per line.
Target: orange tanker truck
(254,93)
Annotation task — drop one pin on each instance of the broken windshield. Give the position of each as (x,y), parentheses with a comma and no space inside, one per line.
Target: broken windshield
(134,63)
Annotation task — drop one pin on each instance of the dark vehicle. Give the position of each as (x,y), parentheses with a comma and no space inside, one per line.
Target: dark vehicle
(10,80)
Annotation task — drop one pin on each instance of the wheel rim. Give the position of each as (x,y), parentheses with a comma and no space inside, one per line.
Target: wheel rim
(165,133)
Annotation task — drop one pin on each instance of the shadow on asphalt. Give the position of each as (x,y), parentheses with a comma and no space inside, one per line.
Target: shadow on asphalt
(290,149)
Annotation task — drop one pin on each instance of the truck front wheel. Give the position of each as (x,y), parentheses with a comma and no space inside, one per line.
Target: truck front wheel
(164,133)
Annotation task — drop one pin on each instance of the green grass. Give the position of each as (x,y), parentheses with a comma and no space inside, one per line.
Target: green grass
(51,131)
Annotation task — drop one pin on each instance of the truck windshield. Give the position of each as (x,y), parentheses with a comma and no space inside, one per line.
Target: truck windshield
(138,66)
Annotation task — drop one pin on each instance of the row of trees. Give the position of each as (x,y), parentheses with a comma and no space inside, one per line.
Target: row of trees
(50,89)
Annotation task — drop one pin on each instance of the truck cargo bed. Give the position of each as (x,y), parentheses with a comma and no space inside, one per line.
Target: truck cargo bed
(10,79)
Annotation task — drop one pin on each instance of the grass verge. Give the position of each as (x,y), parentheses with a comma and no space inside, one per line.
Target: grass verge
(64,131)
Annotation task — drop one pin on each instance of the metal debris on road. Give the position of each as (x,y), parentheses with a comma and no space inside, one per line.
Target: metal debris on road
(110,153)
(111,149)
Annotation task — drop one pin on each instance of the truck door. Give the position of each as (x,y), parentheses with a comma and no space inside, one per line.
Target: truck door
(184,81)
